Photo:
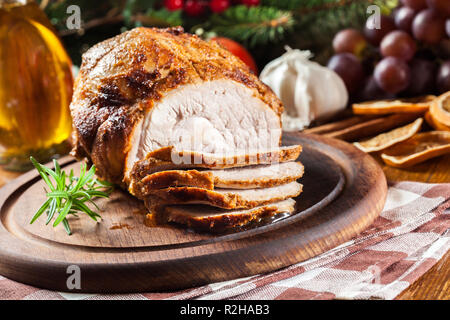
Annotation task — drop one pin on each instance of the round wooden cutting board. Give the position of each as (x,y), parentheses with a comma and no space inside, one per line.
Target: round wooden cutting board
(344,191)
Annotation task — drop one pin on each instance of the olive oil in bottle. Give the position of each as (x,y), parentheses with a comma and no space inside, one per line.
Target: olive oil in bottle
(35,85)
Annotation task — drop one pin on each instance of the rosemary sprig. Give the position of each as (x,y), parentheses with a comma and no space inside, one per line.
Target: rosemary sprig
(69,194)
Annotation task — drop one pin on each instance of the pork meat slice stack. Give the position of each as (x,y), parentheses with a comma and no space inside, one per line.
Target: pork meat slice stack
(148,100)
(216,192)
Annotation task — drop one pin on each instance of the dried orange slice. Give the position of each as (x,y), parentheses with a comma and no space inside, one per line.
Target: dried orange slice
(419,104)
(421,147)
(385,140)
(435,123)
(440,109)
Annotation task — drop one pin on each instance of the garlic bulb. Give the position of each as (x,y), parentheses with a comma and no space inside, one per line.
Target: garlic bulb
(308,90)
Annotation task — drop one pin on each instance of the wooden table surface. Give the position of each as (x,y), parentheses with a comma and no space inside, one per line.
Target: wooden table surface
(435,284)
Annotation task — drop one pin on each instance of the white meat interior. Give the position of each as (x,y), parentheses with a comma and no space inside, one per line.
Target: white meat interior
(221,117)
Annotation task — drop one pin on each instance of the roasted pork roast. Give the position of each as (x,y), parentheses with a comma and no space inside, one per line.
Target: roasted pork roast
(150,88)
(184,125)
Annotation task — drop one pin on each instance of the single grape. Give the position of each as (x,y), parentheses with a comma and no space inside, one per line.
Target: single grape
(443,77)
(424,74)
(392,75)
(398,44)
(404,17)
(375,29)
(349,40)
(349,68)
(371,91)
(415,4)
(441,6)
(428,26)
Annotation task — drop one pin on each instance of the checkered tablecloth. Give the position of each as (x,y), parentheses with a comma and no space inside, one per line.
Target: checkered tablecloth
(409,237)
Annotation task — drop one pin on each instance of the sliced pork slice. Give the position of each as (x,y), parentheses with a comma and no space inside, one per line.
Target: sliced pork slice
(226,198)
(169,158)
(213,219)
(261,176)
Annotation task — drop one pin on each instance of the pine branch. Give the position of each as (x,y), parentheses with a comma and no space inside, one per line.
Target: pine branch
(251,25)
(156,18)
(163,18)
(132,7)
(315,21)
(90,10)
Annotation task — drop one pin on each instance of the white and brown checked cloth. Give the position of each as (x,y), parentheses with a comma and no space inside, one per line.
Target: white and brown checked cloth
(410,236)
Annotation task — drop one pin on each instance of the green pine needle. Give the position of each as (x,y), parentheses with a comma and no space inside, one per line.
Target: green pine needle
(251,25)
(163,17)
(69,194)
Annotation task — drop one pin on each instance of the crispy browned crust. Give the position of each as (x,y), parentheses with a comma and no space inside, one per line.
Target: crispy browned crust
(193,195)
(161,160)
(202,179)
(121,78)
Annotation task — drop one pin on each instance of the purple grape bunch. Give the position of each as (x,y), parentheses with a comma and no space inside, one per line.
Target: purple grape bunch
(407,55)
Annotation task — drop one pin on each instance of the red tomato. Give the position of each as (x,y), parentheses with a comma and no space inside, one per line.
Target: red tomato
(238,50)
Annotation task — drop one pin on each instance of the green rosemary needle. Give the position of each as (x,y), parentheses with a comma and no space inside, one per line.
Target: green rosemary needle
(69,195)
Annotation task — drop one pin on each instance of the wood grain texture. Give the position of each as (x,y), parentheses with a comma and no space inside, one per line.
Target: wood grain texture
(7,176)
(435,283)
(122,255)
